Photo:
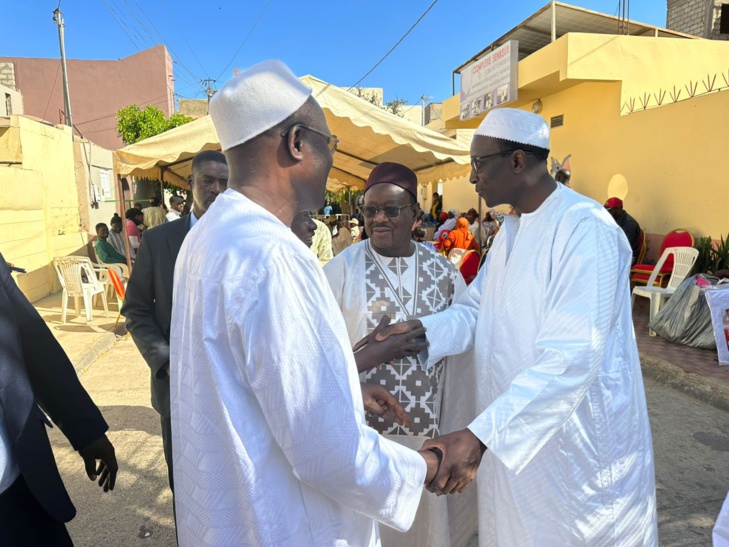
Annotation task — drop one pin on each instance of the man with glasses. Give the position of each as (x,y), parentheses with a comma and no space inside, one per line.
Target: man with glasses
(563,430)
(269,437)
(389,274)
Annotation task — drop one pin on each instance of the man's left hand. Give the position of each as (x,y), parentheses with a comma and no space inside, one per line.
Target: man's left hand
(379,401)
(100,449)
(462,453)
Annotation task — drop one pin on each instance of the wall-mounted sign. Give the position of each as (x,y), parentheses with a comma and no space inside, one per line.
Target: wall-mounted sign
(490,80)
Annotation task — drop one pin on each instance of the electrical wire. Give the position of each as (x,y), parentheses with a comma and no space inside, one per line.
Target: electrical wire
(175,57)
(143,103)
(122,24)
(53,88)
(255,24)
(174,20)
(395,46)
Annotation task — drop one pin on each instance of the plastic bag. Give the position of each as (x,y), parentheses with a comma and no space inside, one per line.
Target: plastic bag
(718,299)
(685,318)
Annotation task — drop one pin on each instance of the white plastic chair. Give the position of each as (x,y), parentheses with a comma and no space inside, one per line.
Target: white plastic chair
(455,255)
(683,261)
(71,271)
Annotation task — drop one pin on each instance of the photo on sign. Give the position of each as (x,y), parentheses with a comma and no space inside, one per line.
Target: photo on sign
(725,317)
(488,101)
(476,107)
(466,112)
(502,94)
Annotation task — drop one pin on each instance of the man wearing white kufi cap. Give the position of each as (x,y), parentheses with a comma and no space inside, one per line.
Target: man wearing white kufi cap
(269,437)
(563,438)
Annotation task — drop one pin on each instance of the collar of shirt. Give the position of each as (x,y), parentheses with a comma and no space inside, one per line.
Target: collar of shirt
(193,219)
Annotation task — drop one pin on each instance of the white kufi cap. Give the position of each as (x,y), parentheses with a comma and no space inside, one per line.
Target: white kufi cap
(519,126)
(256,100)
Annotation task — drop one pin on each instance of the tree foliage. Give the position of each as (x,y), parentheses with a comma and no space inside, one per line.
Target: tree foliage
(395,107)
(134,124)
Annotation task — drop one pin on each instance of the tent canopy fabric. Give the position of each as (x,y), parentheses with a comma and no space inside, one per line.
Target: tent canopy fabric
(368,136)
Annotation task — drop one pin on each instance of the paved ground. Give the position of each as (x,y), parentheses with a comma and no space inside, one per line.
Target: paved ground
(83,342)
(691,442)
(139,510)
(691,447)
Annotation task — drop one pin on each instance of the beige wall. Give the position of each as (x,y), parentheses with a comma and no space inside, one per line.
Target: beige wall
(39,208)
(96,186)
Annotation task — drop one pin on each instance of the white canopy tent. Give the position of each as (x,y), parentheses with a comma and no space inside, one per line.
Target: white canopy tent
(368,136)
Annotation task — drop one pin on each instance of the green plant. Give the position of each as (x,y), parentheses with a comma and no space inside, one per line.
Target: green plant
(720,255)
(706,255)
(134,124)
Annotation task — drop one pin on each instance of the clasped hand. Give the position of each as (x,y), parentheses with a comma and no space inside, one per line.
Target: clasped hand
(462,453)
(384,344)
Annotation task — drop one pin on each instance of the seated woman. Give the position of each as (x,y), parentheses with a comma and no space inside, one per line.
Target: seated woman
(460,237)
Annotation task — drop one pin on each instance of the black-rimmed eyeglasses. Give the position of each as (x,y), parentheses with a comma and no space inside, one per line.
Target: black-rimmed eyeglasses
(332,140)
(390,211)
(478,161)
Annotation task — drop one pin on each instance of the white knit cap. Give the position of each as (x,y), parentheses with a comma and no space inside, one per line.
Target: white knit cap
(515,125)
(256,100)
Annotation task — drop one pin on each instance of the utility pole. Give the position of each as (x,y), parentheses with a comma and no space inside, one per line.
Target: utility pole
(423,99)
(58,18)
(209,90)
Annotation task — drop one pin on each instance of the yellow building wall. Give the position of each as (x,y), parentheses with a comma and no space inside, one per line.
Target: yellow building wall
(661,153)
(39,209)
(670,155)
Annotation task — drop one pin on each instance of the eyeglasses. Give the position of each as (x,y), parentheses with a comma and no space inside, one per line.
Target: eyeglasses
(332,140)
(390,211)
(477,161)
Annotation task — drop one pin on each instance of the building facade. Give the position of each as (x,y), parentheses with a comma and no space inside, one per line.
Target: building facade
(703,18)
(636,113)
(97,89)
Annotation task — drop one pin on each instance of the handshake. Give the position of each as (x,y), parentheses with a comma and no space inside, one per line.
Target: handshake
(452,459)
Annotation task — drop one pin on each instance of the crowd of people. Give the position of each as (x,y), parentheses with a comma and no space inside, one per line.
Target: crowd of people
(317,398)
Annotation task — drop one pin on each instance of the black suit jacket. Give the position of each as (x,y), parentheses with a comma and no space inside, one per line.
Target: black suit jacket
(34,370)
(148,303)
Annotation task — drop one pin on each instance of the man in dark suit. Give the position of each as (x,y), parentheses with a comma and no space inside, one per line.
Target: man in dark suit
(148,302)
(35,371)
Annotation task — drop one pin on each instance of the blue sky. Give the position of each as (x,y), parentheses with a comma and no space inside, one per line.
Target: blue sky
(337,41)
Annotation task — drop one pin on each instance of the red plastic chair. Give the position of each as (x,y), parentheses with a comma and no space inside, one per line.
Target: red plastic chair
(641,273)
(441,238)
(469,266)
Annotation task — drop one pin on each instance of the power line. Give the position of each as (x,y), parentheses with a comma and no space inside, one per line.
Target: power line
(396,44)
(53,88)
(174,20)
(143,103)
(153,39)
(177,58)
(255,24)
(110,128)
(122,24)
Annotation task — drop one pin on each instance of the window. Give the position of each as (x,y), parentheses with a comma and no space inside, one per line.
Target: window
(724,19)
(557,121)
(105,183)
(8,105)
